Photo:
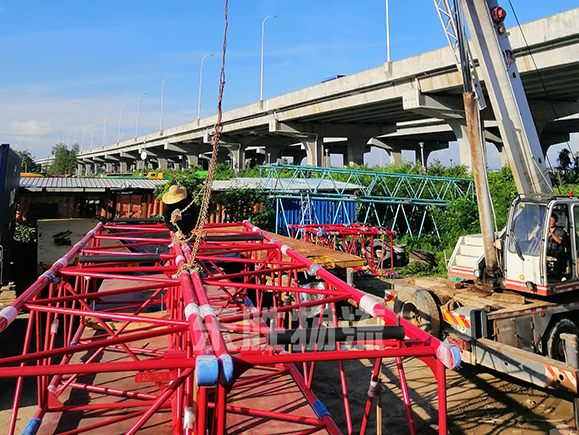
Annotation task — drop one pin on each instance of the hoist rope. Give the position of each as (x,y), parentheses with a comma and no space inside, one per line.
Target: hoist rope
(197,233)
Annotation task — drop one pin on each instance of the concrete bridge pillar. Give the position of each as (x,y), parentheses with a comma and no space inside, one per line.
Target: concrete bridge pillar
(395,157)
(161,164)
(422,153)
(87,168)
(356,147)
(238,157)
(109,167)
(123,167)
(177,166)
(140,165)
(96,168)
(192,161)
(461,133)
(314,151)
(79,169)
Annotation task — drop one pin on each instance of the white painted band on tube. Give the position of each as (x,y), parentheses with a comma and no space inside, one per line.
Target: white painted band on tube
(188,418)
(54,327)
(179,258)
(367,304)
(49,274)
(81,244)
(284,249)
(314,267)
(207,310)
(272,241)
(372,389)
(191,308)
(255,230)
(9,313)
(63,261)
(52,388)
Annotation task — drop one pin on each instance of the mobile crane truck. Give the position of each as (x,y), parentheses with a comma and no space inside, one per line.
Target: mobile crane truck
(519,314)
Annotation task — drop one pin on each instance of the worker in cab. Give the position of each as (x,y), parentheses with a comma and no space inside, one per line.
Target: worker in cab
(179,212)
(556,247)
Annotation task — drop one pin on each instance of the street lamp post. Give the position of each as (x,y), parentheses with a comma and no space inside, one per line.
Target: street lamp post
(137,124)
(387,32)
(200,77)
(162,91)
(105,128)
(120,117)
(262,32)
(92,132)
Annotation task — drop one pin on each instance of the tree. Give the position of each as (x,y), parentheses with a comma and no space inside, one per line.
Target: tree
(564,159)
(64,159)
(28,163)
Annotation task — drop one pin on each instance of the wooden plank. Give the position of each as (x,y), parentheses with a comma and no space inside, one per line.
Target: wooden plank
(325,257)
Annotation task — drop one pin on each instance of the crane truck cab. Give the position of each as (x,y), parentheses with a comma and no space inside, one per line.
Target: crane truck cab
(538,249)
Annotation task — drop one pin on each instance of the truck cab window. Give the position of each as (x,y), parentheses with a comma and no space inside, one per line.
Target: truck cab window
(527,227)
(558,246)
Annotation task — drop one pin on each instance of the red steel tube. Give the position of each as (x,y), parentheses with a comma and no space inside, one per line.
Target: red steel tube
(442,351)
(73,369)
(84,347)
(159,402)
(330,424)
(192,314)
(8,314)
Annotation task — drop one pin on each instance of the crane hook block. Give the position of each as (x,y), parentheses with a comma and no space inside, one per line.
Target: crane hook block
(498,14)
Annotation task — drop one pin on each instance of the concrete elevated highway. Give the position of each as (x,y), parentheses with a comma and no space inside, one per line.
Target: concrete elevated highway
(411,104)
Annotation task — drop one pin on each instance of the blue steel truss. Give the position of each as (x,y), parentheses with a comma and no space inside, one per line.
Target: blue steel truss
(397,202)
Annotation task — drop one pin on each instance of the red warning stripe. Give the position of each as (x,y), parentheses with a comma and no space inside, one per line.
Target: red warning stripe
(556,376)
(457,319)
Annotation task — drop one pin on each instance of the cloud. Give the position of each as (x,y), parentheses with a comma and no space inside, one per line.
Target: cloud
(29,128)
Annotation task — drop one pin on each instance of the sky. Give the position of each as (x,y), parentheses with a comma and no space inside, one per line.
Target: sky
(70,68)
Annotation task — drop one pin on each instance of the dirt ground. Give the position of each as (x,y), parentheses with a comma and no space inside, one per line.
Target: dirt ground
(479,402)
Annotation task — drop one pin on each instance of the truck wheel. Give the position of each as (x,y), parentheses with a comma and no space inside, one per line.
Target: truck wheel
(554,342)
(418,307)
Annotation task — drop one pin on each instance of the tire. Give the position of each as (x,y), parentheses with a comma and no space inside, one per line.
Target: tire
(554,342)
(417,306)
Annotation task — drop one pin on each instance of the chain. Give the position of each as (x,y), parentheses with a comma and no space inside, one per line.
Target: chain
(207,187)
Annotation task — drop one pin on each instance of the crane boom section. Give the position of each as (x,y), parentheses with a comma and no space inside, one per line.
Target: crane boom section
(508,99)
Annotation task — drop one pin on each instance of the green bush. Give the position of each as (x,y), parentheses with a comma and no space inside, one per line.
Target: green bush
(240,204)
(25,233)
